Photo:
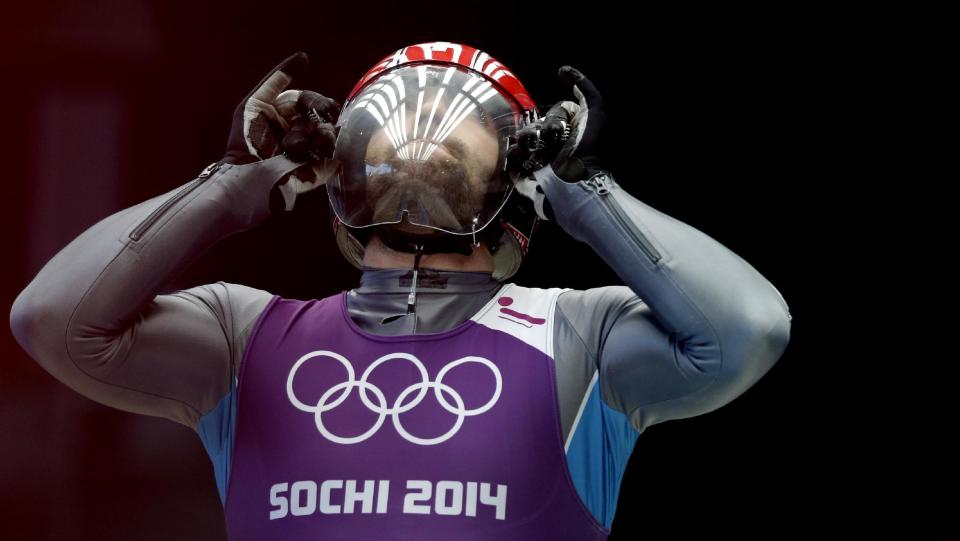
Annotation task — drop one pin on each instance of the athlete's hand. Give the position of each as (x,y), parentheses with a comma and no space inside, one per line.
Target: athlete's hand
(311,138)
(258,127)
(579,157)
(568,138)
(270,121)
(538,143)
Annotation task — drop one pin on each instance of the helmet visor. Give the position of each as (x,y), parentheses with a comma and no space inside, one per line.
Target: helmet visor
(426,144)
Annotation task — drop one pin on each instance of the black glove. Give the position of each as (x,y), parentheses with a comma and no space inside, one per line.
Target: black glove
(311,138)
(579,159)
(297,123)
(269,120)
(257,126)
(568,138)
(538,143)
(312,134)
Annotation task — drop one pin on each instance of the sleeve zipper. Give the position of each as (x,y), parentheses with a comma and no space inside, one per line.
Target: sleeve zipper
(601,184)
(137,233)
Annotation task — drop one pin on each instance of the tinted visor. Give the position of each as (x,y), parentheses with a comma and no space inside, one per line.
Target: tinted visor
(427,143)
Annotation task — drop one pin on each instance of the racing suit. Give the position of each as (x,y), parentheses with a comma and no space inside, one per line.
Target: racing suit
(546,390)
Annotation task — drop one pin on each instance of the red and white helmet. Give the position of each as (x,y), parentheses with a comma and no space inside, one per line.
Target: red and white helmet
(422,143)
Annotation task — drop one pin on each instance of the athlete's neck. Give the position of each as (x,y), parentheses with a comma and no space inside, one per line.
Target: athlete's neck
(444,299)
(380,281)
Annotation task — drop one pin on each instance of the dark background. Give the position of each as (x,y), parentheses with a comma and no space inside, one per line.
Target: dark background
(725,119)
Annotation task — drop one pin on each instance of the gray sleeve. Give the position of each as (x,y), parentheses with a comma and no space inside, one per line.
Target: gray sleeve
(694,327)
(582,320)
(95,318)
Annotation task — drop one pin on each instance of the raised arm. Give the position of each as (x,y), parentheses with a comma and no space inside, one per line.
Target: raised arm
(93,317)
(695,326)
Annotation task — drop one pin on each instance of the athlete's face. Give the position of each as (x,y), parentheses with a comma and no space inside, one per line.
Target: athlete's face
(455,172)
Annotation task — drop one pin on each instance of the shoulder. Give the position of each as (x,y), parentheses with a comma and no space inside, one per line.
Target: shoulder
(542,298)
(590,314)
(576,305)
(596,303)
(236,305)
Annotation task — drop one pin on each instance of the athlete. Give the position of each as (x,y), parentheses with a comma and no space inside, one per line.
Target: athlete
(436,400)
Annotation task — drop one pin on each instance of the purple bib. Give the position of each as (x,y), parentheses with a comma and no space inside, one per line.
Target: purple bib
(347,435)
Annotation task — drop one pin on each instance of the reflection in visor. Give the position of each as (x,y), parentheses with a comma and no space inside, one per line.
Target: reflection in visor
(475,91)
(428,144)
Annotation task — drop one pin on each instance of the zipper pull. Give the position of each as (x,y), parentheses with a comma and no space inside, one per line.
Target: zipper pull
(599,183)
(209,170)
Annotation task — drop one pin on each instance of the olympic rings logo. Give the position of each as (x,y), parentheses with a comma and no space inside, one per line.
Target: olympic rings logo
(398,407)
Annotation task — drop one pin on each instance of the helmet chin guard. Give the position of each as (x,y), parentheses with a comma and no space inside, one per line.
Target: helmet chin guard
(508,240)
(429,243)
